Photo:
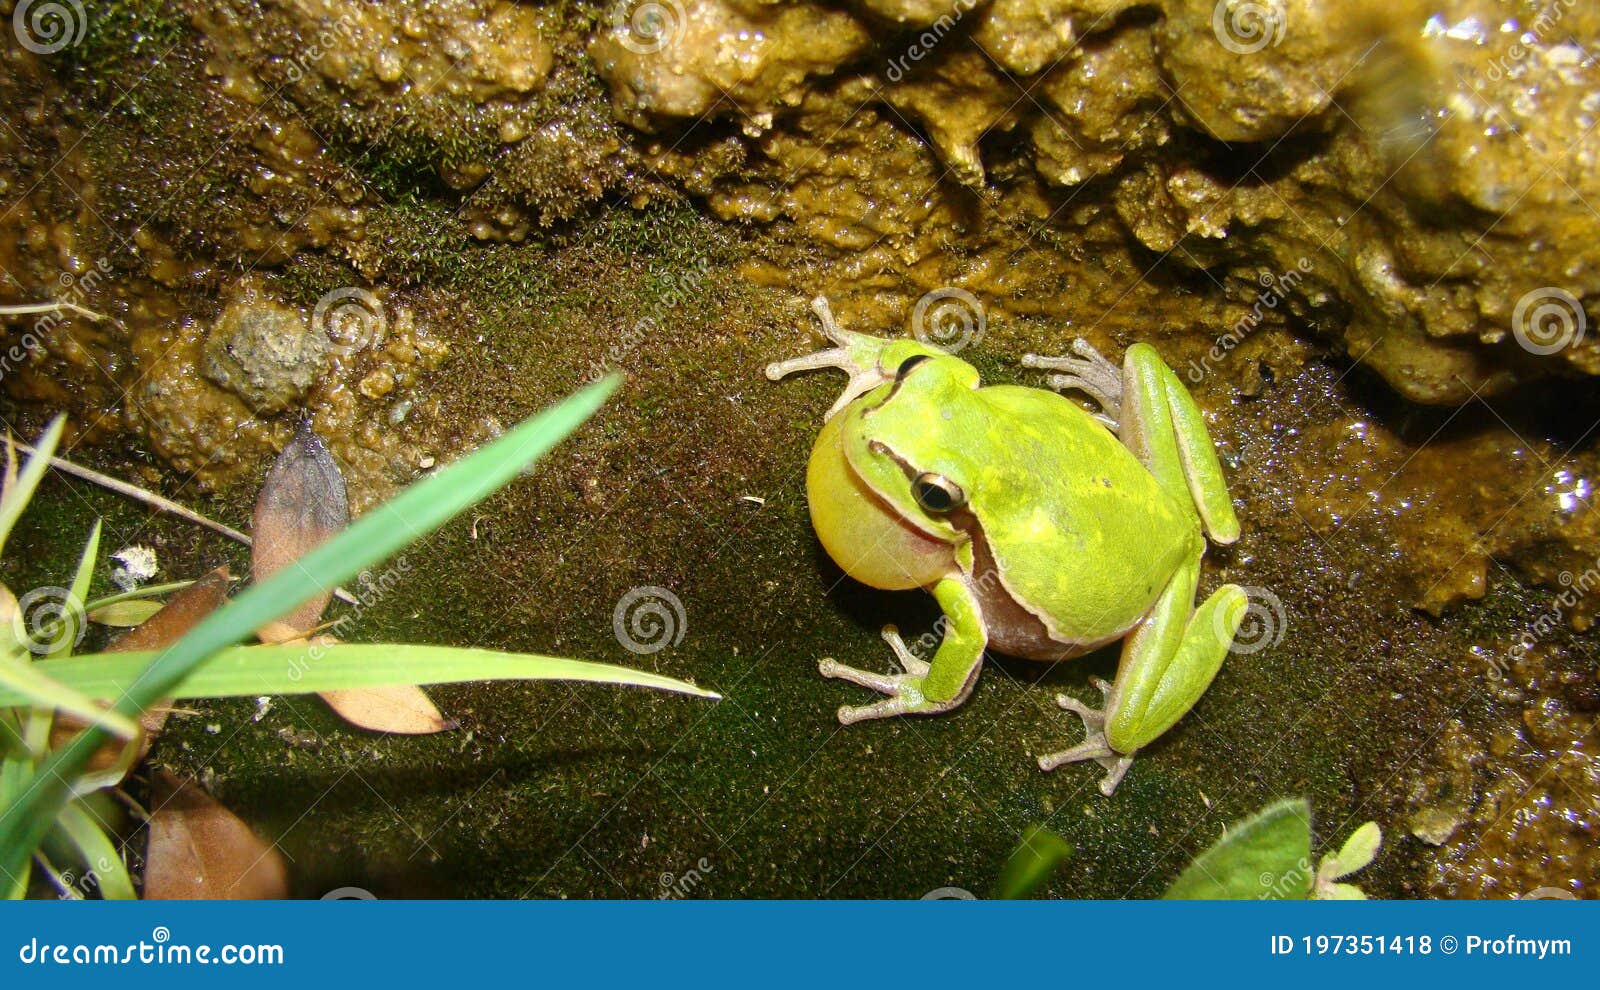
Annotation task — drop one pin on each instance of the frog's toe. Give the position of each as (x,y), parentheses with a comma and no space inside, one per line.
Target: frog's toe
(1093,748)
(909,661)
(1093,720)
(882,683)
(1088,372)
(887,708)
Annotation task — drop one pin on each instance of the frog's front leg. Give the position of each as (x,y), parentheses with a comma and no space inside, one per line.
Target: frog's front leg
(869,361)
(924,688)
(856,355)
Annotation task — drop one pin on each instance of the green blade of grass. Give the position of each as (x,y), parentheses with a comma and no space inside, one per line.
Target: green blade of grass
(72,616)
(413,514)
(307,668)
(137,594)
(24,683)
(18,495)
(100,857)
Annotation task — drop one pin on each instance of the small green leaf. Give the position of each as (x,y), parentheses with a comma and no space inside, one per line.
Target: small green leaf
(1266,857)
(1030,865)
(1358,850)
(20,492)
(148,591)
(1340,892)
(125,614)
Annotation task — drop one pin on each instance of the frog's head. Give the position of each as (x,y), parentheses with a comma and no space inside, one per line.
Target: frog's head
(891,474)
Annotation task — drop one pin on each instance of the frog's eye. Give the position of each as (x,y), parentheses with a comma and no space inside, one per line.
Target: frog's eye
(937,494)
(906,366)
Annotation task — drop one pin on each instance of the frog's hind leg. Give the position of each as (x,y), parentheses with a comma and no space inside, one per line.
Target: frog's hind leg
(1167,664)
(1167,432)
(1094,746)
(1088,372)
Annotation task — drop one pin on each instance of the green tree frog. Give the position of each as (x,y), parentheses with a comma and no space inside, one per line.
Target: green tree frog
(1042,530)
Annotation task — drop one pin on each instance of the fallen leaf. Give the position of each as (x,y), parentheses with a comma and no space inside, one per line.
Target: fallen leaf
(302,504)
(182,612)
(401,708)
(200,850)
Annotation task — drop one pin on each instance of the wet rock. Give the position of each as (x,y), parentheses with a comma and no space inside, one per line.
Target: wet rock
(1533,830)
(749,58)
(1433,163)
(1249,70)
(1443,797)
(265,353)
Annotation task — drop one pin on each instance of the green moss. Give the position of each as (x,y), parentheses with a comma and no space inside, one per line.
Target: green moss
(122,37)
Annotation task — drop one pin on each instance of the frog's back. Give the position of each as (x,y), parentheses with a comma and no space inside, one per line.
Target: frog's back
(1083,535)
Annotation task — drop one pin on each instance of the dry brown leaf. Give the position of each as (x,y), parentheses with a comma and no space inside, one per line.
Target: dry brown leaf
(182,612)
(302,504)
(200,850)
(401,708)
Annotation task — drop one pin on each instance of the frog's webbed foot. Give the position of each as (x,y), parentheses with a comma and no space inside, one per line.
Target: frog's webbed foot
(905,691)
(1088,372)
(856,355)
(1094,746)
